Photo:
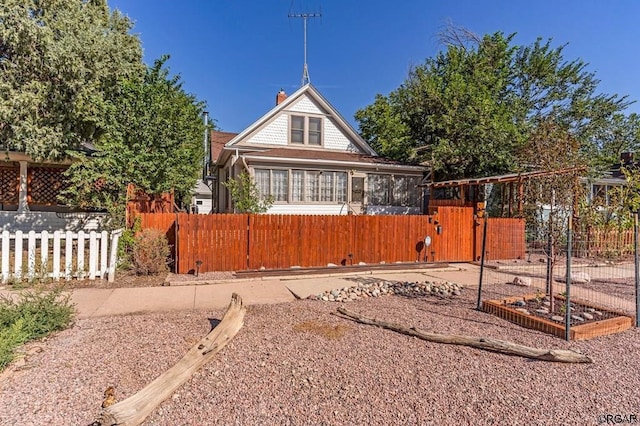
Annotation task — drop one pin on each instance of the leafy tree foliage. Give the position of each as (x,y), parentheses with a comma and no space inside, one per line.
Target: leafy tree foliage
(475,108)
(60,64)
(154,140)
(246,196)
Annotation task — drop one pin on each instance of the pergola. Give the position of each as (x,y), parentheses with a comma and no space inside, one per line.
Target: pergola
(471,190)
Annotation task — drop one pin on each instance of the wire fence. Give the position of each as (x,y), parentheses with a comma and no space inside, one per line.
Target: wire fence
(565,279)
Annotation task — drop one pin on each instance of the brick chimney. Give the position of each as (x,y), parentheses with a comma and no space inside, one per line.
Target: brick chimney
(281,96)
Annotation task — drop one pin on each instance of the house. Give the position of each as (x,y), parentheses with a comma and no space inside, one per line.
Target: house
(204,193)
(306,156)
(600,190)
(29,193)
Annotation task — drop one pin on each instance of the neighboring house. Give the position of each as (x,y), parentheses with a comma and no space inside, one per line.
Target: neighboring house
(202,201)
(29,197)
(305,155)
(601,189)
(204,194)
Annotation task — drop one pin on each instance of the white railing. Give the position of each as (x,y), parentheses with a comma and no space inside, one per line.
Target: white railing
(61,254)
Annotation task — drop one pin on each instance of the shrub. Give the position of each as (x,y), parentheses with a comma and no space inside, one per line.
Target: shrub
(150,252)
(34,314)
(126,242)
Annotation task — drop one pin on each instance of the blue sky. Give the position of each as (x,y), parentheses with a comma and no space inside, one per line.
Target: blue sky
(235,55)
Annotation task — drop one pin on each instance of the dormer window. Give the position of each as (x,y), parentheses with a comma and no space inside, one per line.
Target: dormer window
(306,130)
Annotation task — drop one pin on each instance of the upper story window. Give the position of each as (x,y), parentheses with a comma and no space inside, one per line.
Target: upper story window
(306,130)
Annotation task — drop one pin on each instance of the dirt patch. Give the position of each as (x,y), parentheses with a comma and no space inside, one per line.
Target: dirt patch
(624,288)
(322,329)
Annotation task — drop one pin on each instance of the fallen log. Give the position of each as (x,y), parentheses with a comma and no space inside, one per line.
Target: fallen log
(133,410)
(486,343)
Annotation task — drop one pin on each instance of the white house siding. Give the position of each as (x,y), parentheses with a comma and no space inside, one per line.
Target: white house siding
(274,133)
(50,221)
(335,139)
(203,203)
(318,209)
(307,106)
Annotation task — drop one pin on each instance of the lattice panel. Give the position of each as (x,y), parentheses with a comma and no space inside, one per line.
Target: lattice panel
(9,184)
(45,184)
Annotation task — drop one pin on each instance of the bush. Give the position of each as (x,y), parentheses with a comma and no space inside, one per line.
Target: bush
(126,242)
(150,252)
(34,314)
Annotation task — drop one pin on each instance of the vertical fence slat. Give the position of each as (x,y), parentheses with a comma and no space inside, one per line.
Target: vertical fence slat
(68,255)
(31,254)
(17,267)
(5,256)
(93,255)
(104,253)
(44,252)
(56,254)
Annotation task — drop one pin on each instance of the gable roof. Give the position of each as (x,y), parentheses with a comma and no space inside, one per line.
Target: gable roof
(218,140)
(313,93)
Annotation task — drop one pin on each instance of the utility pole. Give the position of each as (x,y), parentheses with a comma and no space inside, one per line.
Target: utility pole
(205,143)
(305,16)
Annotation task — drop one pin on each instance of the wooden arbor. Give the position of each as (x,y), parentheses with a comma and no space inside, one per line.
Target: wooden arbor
(470,192)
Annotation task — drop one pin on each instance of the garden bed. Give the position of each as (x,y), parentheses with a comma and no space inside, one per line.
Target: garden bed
(532,311)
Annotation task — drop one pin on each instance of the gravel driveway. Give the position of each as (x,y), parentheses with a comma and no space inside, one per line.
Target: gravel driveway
(297,364)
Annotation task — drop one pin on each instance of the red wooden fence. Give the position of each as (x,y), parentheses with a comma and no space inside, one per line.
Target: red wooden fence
(605,243)
(235,242)
(505,238)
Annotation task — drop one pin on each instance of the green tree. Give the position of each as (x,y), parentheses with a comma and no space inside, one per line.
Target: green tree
(385,131)
(154,140)
(60,64)
(470,110)
(246,196)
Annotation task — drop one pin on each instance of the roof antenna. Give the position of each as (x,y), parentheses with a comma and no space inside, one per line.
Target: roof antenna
(305,16)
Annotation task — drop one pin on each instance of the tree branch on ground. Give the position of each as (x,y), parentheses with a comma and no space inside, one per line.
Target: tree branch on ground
(133,410)
(485,343)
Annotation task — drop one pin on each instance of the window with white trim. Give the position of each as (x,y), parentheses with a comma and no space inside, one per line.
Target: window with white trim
(305,130)
(261,177)
(315,131)
(297,186)
(302,186)
(297,129)
(280,185)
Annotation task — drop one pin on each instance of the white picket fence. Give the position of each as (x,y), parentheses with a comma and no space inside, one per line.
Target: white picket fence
(61,254)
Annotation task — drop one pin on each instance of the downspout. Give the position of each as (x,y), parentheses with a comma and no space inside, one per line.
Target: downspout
(244,163)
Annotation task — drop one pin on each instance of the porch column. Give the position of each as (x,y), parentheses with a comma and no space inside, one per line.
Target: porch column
(22,196)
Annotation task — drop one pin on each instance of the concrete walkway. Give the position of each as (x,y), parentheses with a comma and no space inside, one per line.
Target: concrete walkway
(94,302)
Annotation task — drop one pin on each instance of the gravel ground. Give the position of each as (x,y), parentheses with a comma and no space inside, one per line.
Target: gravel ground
(297,364)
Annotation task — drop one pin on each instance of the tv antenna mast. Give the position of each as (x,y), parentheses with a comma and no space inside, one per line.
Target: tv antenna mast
(305,17)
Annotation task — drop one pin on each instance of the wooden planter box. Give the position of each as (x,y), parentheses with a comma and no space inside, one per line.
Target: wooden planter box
(503,309)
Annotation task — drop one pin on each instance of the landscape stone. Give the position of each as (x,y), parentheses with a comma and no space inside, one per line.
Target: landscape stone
(523,310)
(522,281)
(587,315)
(542,311)
(580,277)
(577,318)
(557,318)
(364,290)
